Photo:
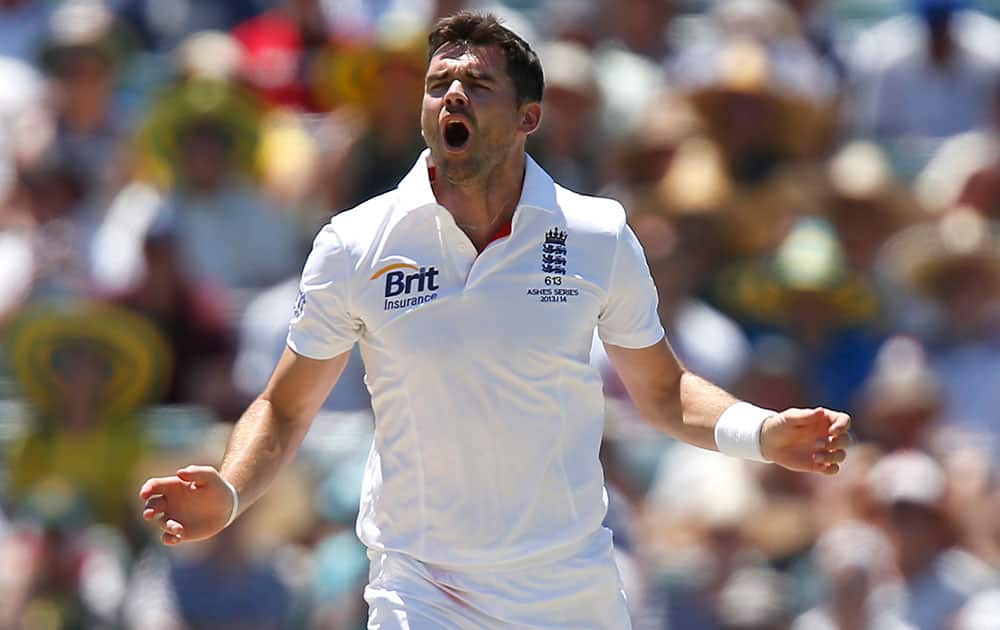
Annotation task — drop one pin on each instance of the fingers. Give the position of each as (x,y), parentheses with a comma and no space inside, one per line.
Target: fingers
(155,506)
(829,457)
(157,485)
(169,539)
(831,451)
(172,531)
(198,474)
(838,442)
(172,527)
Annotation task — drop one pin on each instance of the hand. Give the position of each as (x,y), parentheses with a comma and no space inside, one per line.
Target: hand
(193,505)
(809,440)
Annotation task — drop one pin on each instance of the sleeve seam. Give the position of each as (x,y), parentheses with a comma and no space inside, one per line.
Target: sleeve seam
(614,266)
(349,298)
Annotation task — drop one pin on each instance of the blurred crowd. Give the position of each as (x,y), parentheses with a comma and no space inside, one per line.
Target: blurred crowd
(816,184)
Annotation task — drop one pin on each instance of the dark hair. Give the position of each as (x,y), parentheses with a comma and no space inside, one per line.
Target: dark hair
(467,28)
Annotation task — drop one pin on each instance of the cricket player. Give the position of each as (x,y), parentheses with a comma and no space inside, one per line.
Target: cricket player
(474,290)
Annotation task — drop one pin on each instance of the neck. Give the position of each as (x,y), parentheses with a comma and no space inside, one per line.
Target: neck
(482,204)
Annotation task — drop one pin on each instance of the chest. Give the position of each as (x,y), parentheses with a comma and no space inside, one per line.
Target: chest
(541,289)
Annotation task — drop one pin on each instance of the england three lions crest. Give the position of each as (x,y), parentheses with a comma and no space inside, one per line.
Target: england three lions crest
(554,252)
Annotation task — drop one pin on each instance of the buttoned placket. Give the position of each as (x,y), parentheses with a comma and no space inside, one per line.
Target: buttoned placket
(472,266)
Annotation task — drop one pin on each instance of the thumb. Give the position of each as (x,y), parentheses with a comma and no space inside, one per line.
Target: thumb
(200,475)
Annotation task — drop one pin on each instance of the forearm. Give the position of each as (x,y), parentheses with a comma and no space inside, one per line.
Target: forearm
(689,410)
(261,443)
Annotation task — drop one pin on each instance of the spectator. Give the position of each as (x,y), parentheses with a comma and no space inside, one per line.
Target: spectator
(981,190)
(855,562)
(900,402)
(930,73)
(60,569)
(86,369)
(937,577)
(568,144)
(205,133)
(83,53)
(866,203)
(162,28)
(955,264)
(192,317)
(280,49)
(807,292)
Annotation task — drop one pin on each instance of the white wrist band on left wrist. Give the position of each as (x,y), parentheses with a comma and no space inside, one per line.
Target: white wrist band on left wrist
(738,429)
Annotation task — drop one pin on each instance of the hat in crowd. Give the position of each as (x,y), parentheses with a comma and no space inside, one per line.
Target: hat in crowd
(224,107)
(743,68)
(764,19)
(860,172)
(658,143)
(352,73)
(211,55)
(568,66)
(755,597)
(901,379)
(928,257)
(81,27)
(809,263)
(910,476)
(705,489)
(130,354)
(853,545)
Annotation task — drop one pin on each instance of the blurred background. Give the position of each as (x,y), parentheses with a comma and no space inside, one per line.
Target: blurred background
(817,187)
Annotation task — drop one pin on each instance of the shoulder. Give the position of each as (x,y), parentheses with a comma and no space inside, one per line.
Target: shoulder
(590,214)
(354,230)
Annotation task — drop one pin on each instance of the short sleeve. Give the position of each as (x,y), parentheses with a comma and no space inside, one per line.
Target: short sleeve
(322,325)
(629,318)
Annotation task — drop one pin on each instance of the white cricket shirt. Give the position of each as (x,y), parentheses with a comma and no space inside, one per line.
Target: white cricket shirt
(488,415)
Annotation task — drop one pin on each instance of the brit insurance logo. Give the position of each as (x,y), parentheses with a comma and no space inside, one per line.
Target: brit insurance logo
(554,267)
(407,285)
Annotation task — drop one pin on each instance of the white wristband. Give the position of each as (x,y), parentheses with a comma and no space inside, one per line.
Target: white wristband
(737,431)
(236,504)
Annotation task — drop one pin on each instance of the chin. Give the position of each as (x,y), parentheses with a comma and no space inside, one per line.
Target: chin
(457,167)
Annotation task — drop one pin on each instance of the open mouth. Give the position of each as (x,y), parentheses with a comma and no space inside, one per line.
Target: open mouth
(456,135)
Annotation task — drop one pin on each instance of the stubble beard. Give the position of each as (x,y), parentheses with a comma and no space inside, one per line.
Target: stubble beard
(462,170)
(477,165)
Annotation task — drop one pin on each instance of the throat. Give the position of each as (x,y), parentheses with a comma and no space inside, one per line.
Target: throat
(482,236)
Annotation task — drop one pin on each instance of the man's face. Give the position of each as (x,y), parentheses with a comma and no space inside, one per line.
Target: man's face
(470,118)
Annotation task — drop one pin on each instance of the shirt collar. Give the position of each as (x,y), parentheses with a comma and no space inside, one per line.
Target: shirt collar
(538,191)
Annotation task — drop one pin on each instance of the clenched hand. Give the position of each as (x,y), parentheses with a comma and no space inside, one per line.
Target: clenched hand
(810,440)
(192,505)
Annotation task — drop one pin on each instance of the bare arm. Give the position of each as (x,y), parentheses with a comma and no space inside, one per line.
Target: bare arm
(195,503)
(669,397)
(269,433)
(687,407)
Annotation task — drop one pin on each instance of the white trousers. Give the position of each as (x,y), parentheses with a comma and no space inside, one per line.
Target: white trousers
(580,592)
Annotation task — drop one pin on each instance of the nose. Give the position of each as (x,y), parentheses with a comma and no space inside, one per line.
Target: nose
(455,96)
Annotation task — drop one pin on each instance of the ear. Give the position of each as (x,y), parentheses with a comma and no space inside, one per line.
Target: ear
(531,117)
